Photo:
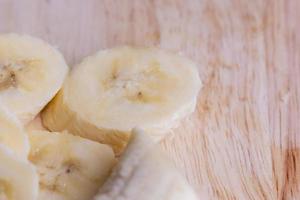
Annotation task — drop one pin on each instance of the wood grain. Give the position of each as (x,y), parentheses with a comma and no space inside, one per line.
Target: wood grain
(243,140)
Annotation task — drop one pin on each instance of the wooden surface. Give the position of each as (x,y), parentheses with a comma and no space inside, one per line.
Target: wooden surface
(243,140)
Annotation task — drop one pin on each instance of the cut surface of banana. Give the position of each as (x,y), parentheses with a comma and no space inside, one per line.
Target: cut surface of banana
(31,73)
(12,134)
(69,167)
(116,90)
(144,173)
(18,177)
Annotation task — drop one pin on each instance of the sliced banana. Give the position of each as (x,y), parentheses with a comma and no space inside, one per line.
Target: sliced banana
(69,167)
(144,173)
(31,73)
(18,177)
(12,134)
(115,90)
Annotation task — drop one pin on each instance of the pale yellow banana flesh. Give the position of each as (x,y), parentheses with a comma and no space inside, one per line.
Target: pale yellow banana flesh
(12,134)
(103,99)
(31,72)
(115,90)
(69,167)
(143,173)
(18,177)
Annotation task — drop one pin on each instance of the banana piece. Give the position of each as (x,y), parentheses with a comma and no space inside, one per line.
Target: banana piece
(12,134)
(115,90)
(69,167)
(31,73)
(35,124)
(18,177)
(144,173)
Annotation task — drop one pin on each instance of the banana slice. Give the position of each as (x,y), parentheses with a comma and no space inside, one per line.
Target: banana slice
(144,173)
(31,73)
(115,90)
(12,134)
(18,178)
(70,167)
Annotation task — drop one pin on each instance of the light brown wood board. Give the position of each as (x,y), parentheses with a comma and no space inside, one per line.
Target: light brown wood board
(243,140)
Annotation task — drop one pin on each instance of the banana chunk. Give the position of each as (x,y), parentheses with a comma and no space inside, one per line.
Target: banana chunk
(18,177)
(12,134)
(144,173)
(69,167)
(116,90)
(31,73)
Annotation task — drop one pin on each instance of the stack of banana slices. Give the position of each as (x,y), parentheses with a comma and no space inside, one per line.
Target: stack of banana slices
(86,149)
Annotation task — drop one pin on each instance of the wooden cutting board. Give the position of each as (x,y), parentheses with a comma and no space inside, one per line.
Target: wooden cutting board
(243,140)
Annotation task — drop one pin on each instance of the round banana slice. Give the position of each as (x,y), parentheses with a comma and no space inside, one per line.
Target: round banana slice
(144,173)
(115,90)
(12,134)
(18,178)
(69,167)
(31,73)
